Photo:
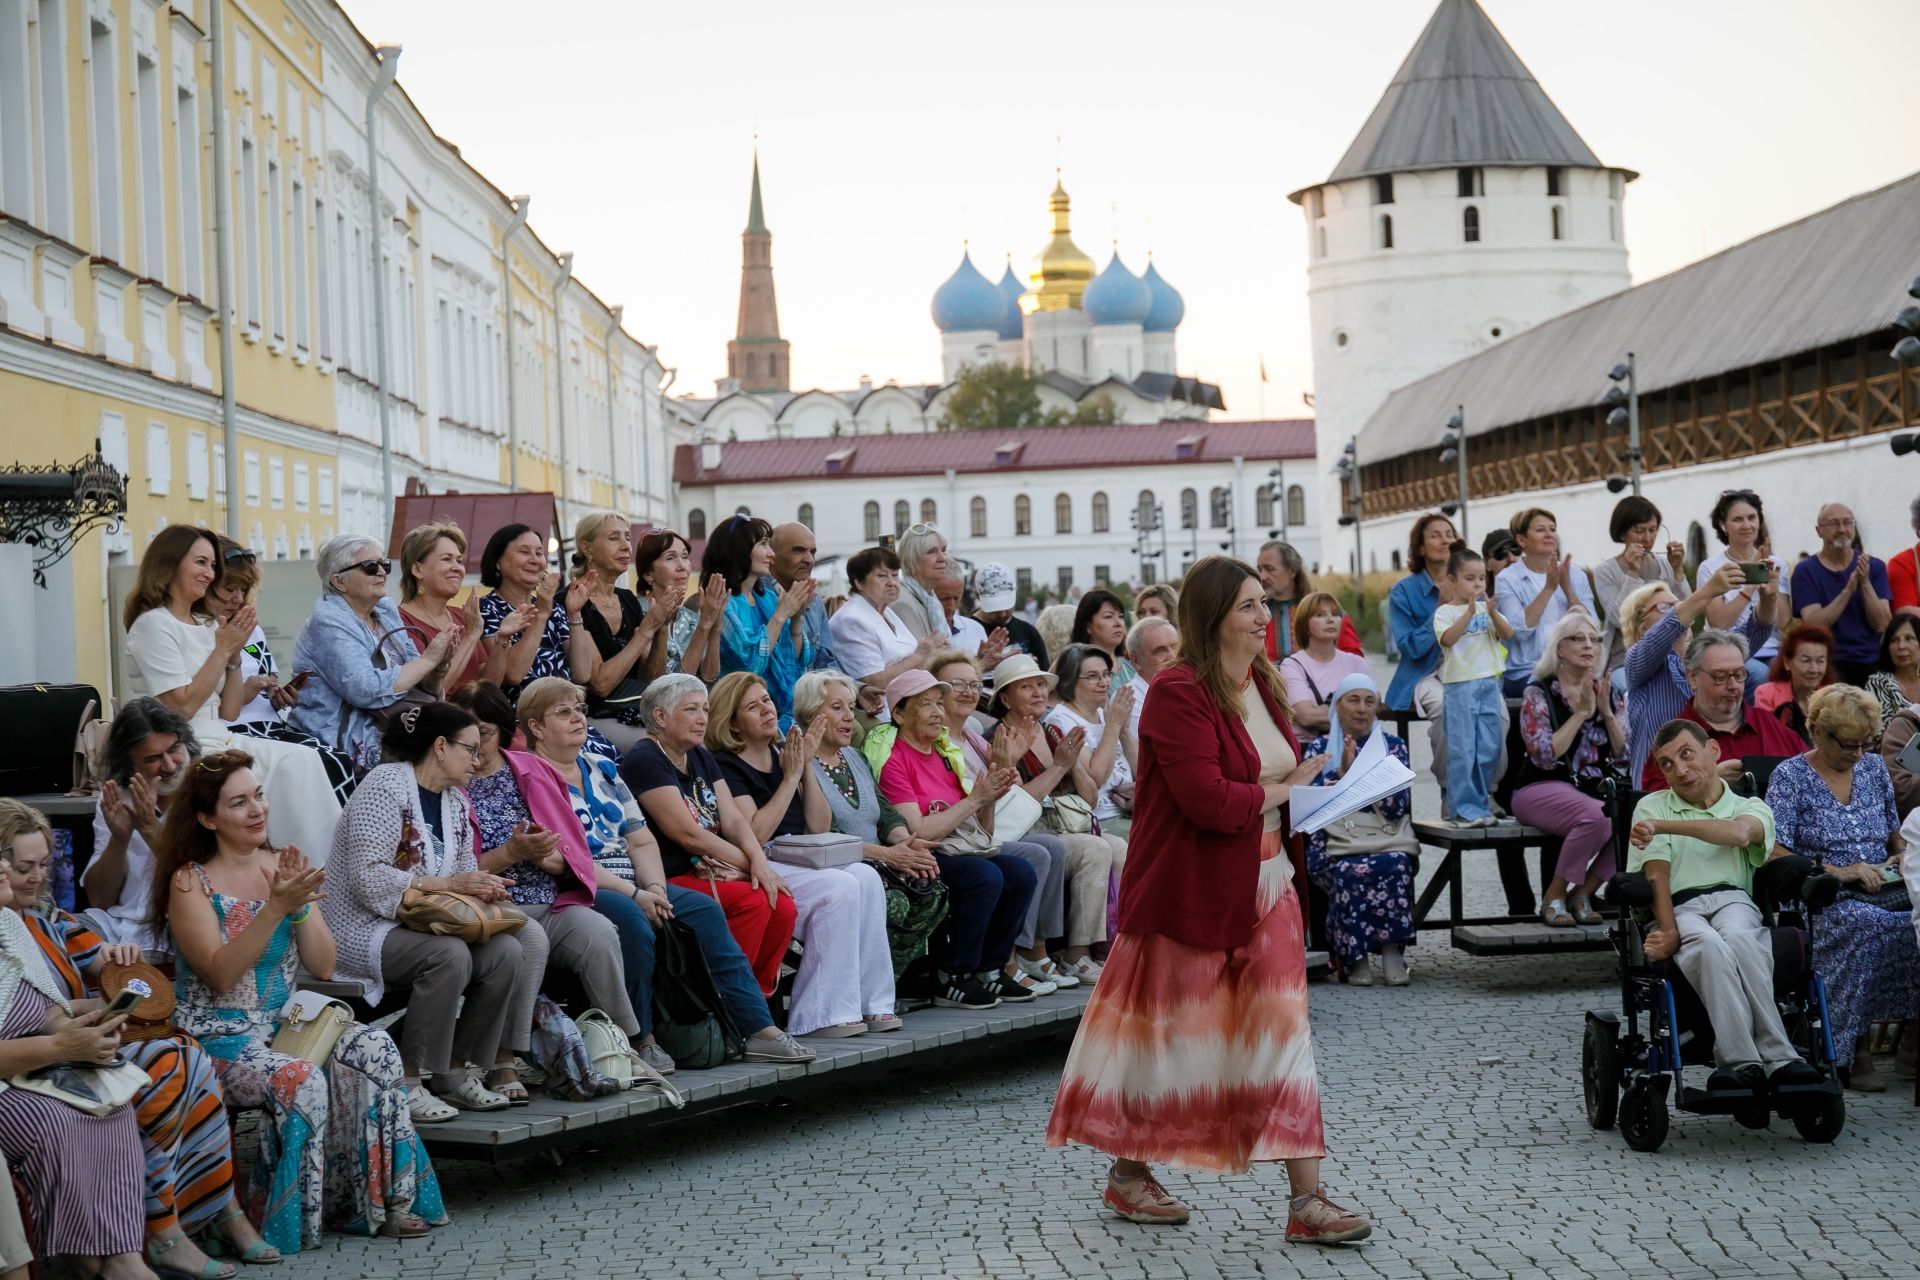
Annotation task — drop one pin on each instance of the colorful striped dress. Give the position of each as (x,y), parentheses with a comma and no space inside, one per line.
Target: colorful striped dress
(183,1118)
(1203,1058)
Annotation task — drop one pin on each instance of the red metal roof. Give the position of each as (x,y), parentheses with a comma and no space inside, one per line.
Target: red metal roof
(477,514)
(1126,444)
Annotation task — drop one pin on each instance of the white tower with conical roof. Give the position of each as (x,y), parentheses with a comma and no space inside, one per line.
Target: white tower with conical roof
(1466,210)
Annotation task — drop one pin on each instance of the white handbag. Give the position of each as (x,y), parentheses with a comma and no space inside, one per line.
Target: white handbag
(1015,813)
(97,1088)
(817,852)
(613,1057)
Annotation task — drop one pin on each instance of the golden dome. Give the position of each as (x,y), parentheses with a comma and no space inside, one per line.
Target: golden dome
(1060,276)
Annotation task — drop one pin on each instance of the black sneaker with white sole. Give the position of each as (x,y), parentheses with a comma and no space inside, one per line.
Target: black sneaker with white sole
(964,991)
(1008,989)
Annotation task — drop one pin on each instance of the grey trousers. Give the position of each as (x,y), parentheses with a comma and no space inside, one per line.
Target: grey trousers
(1728,958)
(457,1000)
(1047,911)
(618,733)
(582,942)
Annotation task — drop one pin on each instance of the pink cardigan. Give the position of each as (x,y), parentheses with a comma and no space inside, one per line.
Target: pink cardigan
(545,795)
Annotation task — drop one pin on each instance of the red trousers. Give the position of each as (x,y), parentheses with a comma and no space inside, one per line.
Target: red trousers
(763,932)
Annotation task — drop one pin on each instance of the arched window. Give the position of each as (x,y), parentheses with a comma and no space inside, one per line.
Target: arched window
(1022,516)
(1559,223)
(873,522)
(1296,506)
(902,517)
(928,511)
(1263,506)
(696,524)
(1470,224)
(1148,515)
(1100,513)
(1386,231)
(977,517)
(1221,507)
(1189,509)
(806,514)
(1063,514)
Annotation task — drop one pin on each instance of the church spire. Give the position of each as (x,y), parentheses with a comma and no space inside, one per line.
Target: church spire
(758,356)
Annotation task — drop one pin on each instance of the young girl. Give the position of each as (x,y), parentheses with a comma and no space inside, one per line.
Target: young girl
(1470,629)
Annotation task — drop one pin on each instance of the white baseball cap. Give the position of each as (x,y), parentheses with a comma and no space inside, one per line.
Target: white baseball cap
(993,588)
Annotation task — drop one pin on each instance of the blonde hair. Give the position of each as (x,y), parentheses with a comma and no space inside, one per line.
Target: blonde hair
(723,704)
(585,530)
(418,545)
(1633,607)
(1841,710)
(1578,620)
(539,699)
(1055,625)
(947,657)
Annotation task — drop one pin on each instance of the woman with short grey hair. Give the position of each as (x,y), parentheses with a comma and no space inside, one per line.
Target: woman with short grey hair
(357,647)
(924,565)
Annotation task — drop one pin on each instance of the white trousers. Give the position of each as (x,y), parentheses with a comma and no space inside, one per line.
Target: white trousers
(1728,958)
(846,972)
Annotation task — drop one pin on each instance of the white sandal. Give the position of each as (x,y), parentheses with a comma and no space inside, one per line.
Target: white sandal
(471,1095)
(427,1109)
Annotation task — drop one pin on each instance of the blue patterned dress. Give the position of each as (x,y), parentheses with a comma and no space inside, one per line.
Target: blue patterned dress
(340,1149)
(549,659)
(1369,895)
(1863,950)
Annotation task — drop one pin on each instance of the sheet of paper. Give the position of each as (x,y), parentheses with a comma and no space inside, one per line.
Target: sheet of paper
(1374,776)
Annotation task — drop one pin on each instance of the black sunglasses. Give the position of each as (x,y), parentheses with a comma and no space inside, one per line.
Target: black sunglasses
(373,568)
(240,555)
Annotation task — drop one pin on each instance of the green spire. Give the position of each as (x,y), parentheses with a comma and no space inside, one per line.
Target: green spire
(756,220)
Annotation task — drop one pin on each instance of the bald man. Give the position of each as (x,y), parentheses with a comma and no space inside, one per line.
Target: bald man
(1846,592)
(794,550)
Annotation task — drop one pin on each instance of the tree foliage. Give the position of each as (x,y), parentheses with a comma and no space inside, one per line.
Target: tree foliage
(993,397)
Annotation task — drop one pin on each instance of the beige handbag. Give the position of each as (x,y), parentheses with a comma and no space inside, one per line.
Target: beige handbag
(447,914)
(310,1025)
(1068,815)
(1365,831)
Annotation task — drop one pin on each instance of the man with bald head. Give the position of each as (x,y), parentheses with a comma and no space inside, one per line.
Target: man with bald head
(794,549)
(1153,645)
(1844,590)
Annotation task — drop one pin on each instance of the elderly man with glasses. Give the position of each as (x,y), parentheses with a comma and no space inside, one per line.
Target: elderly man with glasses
(1844,590)
(1716,665)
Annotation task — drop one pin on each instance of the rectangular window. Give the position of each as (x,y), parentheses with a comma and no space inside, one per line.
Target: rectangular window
(276,256)
(103,80)
(153,185)
(197,465)
(1023,583)
(323,481)
(1064,576)
(1383,189)
(186,147)
(445,344)
(1471,181)
(56,141)
(219,472)
(276,483)
(302,486)
(250,477)
(249,199)
(1554,179)
(297,225)
(322,280)
(159,459)
(242,63)
(16,110)
(1102,575)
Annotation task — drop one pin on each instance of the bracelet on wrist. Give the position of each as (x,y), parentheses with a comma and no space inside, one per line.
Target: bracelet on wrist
(300,916)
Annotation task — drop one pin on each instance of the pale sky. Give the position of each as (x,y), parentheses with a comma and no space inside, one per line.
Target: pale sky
(891,132)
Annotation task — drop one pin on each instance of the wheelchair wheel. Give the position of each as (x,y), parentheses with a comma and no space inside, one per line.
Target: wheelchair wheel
(1600,1072)
(1643,1114)
(1823,1121)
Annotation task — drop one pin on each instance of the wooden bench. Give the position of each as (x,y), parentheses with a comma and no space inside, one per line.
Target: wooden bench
(1502,934)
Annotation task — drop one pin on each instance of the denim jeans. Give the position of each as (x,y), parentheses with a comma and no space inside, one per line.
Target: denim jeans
(1473,746)
(987,900)
(732,977)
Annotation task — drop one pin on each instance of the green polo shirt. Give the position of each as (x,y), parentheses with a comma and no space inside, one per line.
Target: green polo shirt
(1695,864)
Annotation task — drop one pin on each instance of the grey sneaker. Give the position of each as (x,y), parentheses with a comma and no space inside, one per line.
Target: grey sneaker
(657,1058)
(778,1047)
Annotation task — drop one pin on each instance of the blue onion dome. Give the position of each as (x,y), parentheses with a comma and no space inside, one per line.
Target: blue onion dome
(1012,326)
(968,301)
(1168,307)
(1117,296)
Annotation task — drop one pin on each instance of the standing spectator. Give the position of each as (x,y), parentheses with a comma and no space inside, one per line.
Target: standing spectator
(433,570)
(762,633)
(794,551)
(968,635)
(1845,591)
(1635,525)
(924,564)
(1716,673)
(149,746)
(1416,684)
(994,592)
(1500,550)
(1536,592)
(1739,520)
(1569,724)
(612,617)
(1470,628)
(1283,580)
(1895,682)
(873,642)
(662,568)
(1154,644)
(1160,600)
(1802,668)
(1903,567)
(1101,621)
(1317,664)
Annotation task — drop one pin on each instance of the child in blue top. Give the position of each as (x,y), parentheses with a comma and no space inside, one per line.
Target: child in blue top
(1470,630)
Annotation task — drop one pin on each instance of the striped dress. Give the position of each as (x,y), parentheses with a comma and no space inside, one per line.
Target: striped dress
(183,1118)
(1203,1058)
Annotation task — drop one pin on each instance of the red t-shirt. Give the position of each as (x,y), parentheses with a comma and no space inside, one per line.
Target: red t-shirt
(1903,578)
(1760,735)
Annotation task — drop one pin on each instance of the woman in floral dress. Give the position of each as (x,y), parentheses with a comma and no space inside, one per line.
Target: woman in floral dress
(339,1149)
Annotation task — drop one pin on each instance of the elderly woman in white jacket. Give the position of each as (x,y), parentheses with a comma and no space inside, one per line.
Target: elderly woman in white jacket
(409,829)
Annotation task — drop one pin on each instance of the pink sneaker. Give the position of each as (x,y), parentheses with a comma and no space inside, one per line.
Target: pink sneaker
(1314,1219)
(1144,1200)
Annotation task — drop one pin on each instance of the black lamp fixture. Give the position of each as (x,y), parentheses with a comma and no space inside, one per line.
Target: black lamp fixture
(1906,354)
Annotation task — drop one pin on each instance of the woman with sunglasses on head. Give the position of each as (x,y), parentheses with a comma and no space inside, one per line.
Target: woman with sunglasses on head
(178,655)
(265,716)
(1739,520)
(433,570)
(361,655)
(762,633)
(924,565)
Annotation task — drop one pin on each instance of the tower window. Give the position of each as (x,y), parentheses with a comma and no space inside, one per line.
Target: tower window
(1471,181)
(1319,242)
(1386,231)
(1616,185)
(1470,224)
(1554,179)
(872,526)
(1613,223)
(1559,216)
(1317,202)
(1383,189)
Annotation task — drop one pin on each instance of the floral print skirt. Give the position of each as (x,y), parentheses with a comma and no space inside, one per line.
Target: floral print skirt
(1866,957)
(1369,902)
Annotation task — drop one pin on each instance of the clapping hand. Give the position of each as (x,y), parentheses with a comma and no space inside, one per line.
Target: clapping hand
(580,590)
(1120,708)
(292,884)
(993,648)
(995,783)
(1349,751)
(232,635)
(442,644)
(801,746)
(518,620)
(130,809)
(530,842)
(713,599)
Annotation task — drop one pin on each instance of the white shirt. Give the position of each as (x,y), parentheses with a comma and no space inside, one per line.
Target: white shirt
(867,642)
(1713,564)
(126,920)
(1139,686)
(163,654)
(1064,718)
(968,635)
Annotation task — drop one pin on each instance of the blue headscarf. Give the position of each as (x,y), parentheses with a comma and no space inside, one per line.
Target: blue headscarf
(1358,680)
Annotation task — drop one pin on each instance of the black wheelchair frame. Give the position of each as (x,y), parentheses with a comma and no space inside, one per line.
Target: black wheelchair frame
(1627,1076)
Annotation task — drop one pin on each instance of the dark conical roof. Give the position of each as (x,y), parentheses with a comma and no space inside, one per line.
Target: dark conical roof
(1462,97)
(756,220)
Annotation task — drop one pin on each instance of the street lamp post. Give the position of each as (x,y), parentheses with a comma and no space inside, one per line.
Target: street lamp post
(1622,403)
(389,66)
(520,210)
(1454,449)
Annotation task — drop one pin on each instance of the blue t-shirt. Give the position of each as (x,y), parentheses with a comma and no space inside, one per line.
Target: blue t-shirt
(1854,639)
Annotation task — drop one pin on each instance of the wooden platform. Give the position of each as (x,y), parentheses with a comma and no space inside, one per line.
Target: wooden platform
(1528,937)
(929,1038)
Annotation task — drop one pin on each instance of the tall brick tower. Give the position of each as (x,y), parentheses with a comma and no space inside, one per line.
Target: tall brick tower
(757,356)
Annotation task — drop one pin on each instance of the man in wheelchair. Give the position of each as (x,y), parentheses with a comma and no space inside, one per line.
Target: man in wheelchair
(1698,844)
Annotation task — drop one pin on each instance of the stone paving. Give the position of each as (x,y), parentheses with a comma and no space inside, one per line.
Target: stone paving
(1452,1107)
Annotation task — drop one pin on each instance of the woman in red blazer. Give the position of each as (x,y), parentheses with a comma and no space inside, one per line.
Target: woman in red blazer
(1194,1049)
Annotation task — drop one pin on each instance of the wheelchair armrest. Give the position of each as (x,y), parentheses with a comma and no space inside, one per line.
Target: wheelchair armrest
(1630,889)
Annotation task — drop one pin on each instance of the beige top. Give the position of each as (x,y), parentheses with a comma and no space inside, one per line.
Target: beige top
(1276,757)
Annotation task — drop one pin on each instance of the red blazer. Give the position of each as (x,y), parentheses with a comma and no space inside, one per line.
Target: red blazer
(1193,852)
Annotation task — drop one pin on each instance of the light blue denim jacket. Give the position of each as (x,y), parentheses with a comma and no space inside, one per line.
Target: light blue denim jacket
(338,648)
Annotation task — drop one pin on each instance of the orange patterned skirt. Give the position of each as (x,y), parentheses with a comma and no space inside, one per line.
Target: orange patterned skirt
(1199,1058)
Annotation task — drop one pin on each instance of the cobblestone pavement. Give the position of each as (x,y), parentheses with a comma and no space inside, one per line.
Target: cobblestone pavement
(1453,1111)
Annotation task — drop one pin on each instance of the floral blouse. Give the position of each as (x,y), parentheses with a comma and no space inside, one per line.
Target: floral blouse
(679,634)
(1809,820)
(497,809)
(550,660)
(1587,759)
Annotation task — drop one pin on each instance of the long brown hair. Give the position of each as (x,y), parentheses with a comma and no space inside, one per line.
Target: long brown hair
(182,837)
(169,547)
(1207,596)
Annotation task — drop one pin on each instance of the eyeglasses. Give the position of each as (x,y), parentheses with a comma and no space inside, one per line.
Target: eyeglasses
(1097,677)
(471,748)
(966,686)
(572,711)
(240,555)
(374,568)
(1726,679)
(1849,744)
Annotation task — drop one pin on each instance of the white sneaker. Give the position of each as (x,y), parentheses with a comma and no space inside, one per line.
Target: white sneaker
(427,1109)
(1086,969)
(1393,963)
(1361,975)
(1046,971)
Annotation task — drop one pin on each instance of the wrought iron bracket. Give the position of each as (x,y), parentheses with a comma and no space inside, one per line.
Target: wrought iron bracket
(51,507)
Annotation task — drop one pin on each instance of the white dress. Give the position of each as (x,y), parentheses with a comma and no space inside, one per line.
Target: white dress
(163,654)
